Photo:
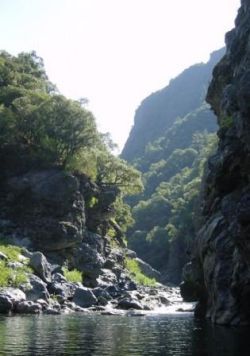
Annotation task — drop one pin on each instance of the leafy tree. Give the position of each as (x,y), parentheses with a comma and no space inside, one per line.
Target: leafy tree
(41,128)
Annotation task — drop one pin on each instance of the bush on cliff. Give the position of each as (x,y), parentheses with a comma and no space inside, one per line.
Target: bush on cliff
(39,128)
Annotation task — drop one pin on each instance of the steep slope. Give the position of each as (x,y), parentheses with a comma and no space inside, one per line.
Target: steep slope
(158,112)
(171,139)
(220,270)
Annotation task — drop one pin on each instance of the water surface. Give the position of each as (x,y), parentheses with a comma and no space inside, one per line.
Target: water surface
(100,335)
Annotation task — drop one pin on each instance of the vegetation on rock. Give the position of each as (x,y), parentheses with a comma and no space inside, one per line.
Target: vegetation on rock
(172,160)
(13,269)
(72,275)
(136,273)
(41,129)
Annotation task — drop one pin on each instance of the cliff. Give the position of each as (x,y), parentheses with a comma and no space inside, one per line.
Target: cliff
(157,113)
(56,256)
(173,133)
(219,274)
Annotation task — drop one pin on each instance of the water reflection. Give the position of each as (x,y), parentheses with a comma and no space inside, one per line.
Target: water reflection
(119,336)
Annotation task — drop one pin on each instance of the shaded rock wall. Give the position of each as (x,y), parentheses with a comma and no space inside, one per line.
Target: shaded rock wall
(64,215)
(221,262)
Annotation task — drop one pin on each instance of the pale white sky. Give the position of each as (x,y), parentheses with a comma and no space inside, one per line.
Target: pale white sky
(115,52)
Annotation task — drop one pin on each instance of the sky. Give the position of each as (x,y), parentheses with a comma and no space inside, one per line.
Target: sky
(115,52)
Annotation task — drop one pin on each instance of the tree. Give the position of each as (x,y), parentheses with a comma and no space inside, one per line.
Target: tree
(112,170)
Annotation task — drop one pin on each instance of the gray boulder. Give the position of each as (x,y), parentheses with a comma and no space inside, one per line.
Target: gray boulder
(35,289)
(88,260)
(106,278)
(6,304)
(9,297)
(84,297)
(28,307)
(63,289)
(41,266)
(129,303)
(50,234)
(58,277)
(100,292)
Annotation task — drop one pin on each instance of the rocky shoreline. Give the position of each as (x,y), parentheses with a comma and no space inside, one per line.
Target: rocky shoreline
(47,291)
(60,220)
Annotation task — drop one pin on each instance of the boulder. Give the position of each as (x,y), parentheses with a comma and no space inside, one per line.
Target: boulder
(6,304)
(28,307)
(88,260)
(101,292)
(114,291)
(58,277)
(9,298)
(51,311)
(63,289)
(102,295)
(43,303)
(35,289)
(106,278)
(84,297)
(129,303)
(41,266)
(51,234)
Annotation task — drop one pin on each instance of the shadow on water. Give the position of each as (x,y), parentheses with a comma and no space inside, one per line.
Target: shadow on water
(100,335)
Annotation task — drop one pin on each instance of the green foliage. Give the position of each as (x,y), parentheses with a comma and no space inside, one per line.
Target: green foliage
(170,211)
(123,214)
(12,252)
(73,275)
(226,122)
(112,170)
(136,273)
(170,142)
(12,277)
(39,128)
(160,111)
(37,120)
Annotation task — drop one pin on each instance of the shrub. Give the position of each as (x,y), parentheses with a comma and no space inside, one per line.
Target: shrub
(136,273)
(12,277)
(72,276)
(12,252)
(226,122)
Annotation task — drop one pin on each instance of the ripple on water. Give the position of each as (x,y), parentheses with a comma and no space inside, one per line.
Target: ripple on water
(99,335)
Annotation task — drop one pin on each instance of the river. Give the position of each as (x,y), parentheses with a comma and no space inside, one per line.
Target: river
(106,335)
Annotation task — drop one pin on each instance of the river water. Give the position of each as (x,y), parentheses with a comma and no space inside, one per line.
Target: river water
(100,335)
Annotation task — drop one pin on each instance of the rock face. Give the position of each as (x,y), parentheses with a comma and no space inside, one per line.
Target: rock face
(163,144)
(50,211)
(159,110)
(52,215)
(221,262)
